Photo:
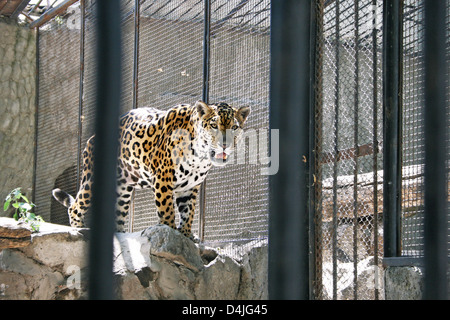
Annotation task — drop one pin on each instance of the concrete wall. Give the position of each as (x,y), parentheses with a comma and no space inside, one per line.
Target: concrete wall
(17,107)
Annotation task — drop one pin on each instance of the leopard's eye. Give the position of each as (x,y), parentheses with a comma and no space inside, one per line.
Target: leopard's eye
(213,125)
(235,127)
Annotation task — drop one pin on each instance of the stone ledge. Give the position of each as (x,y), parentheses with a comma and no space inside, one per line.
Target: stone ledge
(157,263)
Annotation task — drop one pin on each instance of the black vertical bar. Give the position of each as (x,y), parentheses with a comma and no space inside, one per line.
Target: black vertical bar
(136,52)
(315,101)
(392,59)
(205,98)
(80,91)
(336,154)
(436,210)
(36,116)
(108,61)
(355,159)
(135,89)
(289,113)
(206,50)
(375,139)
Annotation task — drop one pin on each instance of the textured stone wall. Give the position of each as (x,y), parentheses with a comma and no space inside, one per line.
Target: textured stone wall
(17,107)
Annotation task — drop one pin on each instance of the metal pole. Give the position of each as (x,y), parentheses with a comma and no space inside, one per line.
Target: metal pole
(356,155)
(336,153)
(36,115)
(392,44)
(108,61)
(436,124)
(137,8)
(81,90)
(135,90)
(316,67)
(205,98)
(375,137)
(289,113)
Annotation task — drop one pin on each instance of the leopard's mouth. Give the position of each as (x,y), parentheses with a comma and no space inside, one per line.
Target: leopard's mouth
(219,158)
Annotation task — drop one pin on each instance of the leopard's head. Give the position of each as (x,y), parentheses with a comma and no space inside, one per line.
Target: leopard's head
(223,126)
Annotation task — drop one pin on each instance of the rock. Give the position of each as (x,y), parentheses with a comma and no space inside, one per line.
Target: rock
(369,276)
(404,283)
(10,228)
(14,234)
(157,263)
(58,247)
(219,280)
(254,271)
(166,243)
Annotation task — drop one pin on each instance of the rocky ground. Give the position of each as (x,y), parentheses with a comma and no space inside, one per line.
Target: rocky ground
(157,263)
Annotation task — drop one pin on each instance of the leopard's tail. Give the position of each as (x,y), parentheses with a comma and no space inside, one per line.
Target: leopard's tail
(63,197)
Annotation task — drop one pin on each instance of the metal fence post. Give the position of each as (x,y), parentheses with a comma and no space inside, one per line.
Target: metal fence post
(205,98)
(108,61)
(81,90)
(36,114)
(289,113)
(137,9)
(436,124)
(392,44)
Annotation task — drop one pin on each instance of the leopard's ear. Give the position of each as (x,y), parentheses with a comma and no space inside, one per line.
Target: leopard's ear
(203,109)
(242,114)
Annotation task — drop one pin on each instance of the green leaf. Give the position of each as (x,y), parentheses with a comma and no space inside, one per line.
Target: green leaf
(24,198)
(16,216)
(16,205)
(16,193)
(6,205)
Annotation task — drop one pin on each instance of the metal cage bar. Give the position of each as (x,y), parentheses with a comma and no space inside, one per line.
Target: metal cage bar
(436,126)
(289,92)
(108,60)
(81,90)
(205,98)
(392,44)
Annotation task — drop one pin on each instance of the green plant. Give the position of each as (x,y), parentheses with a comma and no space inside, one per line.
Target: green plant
(22,209)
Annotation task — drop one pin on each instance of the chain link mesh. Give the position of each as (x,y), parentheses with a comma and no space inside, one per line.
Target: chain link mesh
(169,54)
(348,158)
(412,127)
(56,157)
(237,195)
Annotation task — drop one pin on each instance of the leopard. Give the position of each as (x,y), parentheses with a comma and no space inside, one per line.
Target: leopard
(170,152)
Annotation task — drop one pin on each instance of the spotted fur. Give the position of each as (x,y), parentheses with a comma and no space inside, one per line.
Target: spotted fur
(170,152)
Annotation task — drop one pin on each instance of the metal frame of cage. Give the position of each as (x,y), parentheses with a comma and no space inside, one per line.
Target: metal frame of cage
(393,128)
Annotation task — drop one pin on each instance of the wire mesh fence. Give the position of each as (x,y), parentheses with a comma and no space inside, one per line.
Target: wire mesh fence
(237,195)
(57,118)
(349,145)
(348,135)
(413,131)
(162,65)
(412,223)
